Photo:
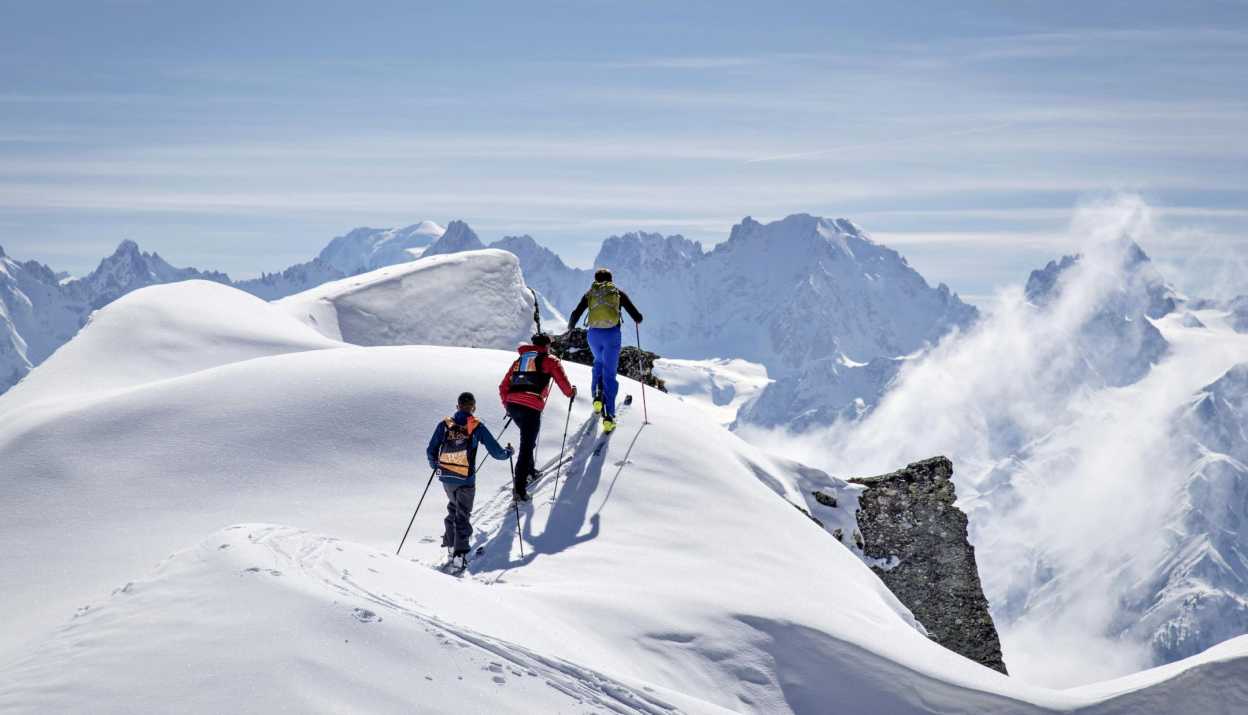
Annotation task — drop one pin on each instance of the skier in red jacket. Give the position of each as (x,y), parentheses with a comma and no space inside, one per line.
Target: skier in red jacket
(523,391)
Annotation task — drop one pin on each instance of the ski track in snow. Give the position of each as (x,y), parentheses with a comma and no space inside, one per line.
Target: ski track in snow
(312,556)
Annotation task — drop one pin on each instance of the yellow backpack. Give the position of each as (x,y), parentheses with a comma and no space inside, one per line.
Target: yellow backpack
(604,305)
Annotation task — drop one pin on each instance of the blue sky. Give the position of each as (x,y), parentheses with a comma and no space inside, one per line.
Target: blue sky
(242,138)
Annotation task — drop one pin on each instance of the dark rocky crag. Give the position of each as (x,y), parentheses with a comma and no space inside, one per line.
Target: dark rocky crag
(908,518)
(573,346)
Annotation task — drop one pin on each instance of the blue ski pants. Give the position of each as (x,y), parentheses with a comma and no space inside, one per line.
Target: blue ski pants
(605,344)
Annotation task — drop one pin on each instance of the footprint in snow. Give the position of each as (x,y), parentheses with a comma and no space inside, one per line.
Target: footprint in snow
(363,615)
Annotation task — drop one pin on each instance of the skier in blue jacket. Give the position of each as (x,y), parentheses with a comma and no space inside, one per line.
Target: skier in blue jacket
(603,301)
(452,454)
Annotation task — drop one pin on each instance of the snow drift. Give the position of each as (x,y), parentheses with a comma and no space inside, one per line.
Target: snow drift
(472,298)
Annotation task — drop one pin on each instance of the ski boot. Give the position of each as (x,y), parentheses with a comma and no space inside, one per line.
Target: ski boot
(459,563)
(608,425)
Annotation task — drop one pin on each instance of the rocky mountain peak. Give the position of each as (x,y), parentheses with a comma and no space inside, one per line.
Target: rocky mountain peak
(458,237)
(641,251)
(1143,290)
(127,248)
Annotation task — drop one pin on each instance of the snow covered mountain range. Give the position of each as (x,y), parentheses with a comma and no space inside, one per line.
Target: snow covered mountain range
(1093,418)
(268,468)
(791,294)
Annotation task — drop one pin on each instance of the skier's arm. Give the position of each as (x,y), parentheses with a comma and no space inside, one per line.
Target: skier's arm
(627,304)
(554,366)
(506,383)
(484,437)
(435,444)
(580,308)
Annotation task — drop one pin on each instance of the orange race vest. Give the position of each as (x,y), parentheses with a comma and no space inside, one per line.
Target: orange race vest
(455,455)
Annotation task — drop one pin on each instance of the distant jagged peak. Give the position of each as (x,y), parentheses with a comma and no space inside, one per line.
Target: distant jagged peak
(457,237)
(127,247)
(813,232)
(640,250)
(529,250)
(524,242)
(1142,289)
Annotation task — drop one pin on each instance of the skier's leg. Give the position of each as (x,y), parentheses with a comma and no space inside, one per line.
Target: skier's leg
(448,533)
(610,364)
(530,425)
(594,337)
(464,497)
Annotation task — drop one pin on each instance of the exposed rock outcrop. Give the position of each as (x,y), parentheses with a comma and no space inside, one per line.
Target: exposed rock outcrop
(909,523)
(573,346)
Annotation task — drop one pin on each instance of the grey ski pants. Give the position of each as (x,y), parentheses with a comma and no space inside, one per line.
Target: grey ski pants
(458,511)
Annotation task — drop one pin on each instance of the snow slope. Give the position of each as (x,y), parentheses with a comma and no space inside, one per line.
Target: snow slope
(669,574)
(718,386)
(40,310)
(473,298)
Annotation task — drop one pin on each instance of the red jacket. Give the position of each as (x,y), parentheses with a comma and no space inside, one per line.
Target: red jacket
(550,365)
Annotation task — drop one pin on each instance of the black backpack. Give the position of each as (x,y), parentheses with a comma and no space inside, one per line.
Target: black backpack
(529,375)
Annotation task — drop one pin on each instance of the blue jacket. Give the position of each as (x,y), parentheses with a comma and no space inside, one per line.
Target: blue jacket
(480,435)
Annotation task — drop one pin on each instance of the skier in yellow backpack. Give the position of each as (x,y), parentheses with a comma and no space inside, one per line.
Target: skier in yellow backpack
(603,301)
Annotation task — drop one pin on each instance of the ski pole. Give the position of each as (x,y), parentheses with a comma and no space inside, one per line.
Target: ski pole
(645,412)
(413,521)
(516,505)
(562,448)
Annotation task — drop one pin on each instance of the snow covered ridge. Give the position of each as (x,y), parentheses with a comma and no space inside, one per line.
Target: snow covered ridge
(1199,594)
(672,574)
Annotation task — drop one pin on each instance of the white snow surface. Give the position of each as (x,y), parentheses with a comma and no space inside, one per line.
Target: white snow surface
(718,386)
(472,298)
(669,575)
(162,332)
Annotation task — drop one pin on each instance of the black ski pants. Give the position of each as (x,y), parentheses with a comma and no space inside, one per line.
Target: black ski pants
(529,422)
(458,512)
